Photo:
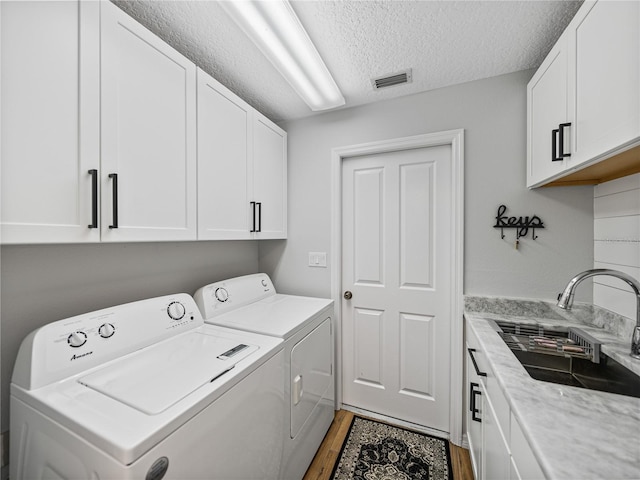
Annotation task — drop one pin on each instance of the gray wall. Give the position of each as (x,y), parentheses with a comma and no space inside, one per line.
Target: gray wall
(41,284)
(493,114)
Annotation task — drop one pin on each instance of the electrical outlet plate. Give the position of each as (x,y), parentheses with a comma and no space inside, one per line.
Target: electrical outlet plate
(318,259)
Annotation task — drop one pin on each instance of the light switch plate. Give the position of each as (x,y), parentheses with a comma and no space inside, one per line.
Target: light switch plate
(318,259)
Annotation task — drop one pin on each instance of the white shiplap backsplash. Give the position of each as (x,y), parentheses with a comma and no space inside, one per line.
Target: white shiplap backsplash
(616,233)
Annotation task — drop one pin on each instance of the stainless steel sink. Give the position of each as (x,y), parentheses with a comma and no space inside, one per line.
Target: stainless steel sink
(567,357)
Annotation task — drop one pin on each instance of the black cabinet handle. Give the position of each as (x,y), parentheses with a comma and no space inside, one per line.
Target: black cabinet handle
(253,210)
(94,198)
(561,127)
(558,145)
(472,402)
(114,178)
(259,229)
(475,365)
(554,145)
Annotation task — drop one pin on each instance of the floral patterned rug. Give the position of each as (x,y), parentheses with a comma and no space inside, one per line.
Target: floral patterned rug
(377,451)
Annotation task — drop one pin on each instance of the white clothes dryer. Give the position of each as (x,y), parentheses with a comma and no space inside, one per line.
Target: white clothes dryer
(250,303)
(147,391)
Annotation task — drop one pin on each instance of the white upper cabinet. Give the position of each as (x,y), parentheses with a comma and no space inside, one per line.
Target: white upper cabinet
(50,121)
(148,119)
(242,168)
(269,199)
(109,135)
(224,155)
(605,73)
(583,103)
(547,110)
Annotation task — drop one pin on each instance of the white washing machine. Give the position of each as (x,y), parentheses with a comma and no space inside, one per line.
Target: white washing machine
(251,304)
(147,391)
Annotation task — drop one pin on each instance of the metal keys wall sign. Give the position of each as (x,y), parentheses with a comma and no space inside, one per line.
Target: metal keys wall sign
(521,224)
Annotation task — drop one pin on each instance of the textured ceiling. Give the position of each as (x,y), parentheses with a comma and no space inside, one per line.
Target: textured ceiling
(444,42)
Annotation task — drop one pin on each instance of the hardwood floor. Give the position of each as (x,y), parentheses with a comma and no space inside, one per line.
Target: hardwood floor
(327,455)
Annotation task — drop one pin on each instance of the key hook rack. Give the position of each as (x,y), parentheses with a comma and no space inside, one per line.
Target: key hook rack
(521,224)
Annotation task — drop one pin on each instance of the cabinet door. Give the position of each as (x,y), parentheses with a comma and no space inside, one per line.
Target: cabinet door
(605,69)
(148,134)
(546,110)
(496,461)
(224,134)
(474,420)
(523,461)
(270,177)
(50,70)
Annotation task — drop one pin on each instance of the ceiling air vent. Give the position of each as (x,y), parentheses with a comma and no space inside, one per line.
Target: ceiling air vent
(392,79)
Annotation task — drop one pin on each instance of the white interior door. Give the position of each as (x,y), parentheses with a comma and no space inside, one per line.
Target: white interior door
(397,260)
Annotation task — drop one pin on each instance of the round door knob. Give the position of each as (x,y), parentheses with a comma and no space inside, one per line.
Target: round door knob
(176,310)
(348,295)
(77,339)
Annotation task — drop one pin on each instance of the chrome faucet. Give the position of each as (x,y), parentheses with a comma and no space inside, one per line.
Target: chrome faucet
(565,299)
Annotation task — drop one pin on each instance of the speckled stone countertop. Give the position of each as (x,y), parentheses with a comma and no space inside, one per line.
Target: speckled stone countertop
(574,433)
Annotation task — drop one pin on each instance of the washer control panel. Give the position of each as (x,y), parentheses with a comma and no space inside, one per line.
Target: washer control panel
(75,344)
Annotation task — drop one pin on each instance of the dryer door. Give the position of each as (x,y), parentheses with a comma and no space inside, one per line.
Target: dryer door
(311,374)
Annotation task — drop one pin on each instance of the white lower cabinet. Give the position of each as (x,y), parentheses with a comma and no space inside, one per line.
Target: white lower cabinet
(474,415)
(495,451)
(497,445)
(524,463)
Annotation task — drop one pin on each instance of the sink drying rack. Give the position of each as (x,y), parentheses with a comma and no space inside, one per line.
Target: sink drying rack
(566,342)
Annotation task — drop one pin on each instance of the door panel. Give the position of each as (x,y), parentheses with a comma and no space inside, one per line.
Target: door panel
(397,259)
(416,229)
(368,349)
(368,235)
(416,351)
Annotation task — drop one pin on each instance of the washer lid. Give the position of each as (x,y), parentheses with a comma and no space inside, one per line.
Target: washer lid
(278,315)
(159,376)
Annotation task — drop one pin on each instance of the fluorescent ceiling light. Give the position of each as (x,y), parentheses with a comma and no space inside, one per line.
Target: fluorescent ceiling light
(275,29)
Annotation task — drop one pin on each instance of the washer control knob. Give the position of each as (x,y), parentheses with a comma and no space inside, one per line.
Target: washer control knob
(106,330)
(176,310)
(77,339)
(221,294)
